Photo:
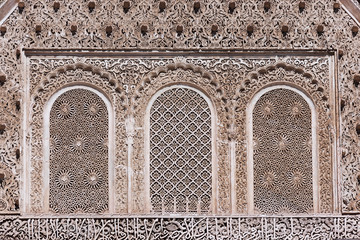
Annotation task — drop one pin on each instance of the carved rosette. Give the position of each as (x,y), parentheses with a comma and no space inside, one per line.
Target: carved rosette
(79,156)
(283,165)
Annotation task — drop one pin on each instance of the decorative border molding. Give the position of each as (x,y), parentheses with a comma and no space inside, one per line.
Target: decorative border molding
(6,8)
(352,8)
(257,228)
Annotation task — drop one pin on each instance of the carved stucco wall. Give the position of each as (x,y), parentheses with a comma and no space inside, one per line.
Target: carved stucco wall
(313,83)
(208,74)
(143,26)
(58,79)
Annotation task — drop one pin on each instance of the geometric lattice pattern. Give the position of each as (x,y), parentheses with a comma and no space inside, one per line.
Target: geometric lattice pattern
(282,153)
(180,152)
(78,153)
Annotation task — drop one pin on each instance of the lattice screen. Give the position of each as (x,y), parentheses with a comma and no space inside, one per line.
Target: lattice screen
(282,153)
(79,153)
(180,152)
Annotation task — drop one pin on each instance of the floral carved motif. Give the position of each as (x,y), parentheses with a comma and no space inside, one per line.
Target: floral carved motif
(132,91)
(282,73)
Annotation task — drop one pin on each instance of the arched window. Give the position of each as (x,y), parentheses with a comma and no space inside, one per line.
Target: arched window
(283,151)
(180,151)
(78,159)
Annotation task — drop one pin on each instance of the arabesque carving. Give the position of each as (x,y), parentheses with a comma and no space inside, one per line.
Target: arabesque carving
(138,80)
(313,84)
(282,149)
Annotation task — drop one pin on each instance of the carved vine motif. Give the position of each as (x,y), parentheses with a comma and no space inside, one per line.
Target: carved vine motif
(211,76)
(181,24)
(9,150)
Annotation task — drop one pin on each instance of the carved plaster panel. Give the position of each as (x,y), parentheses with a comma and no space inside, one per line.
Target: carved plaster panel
(230,83)
(79,153)
(283,155)
(180,151)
